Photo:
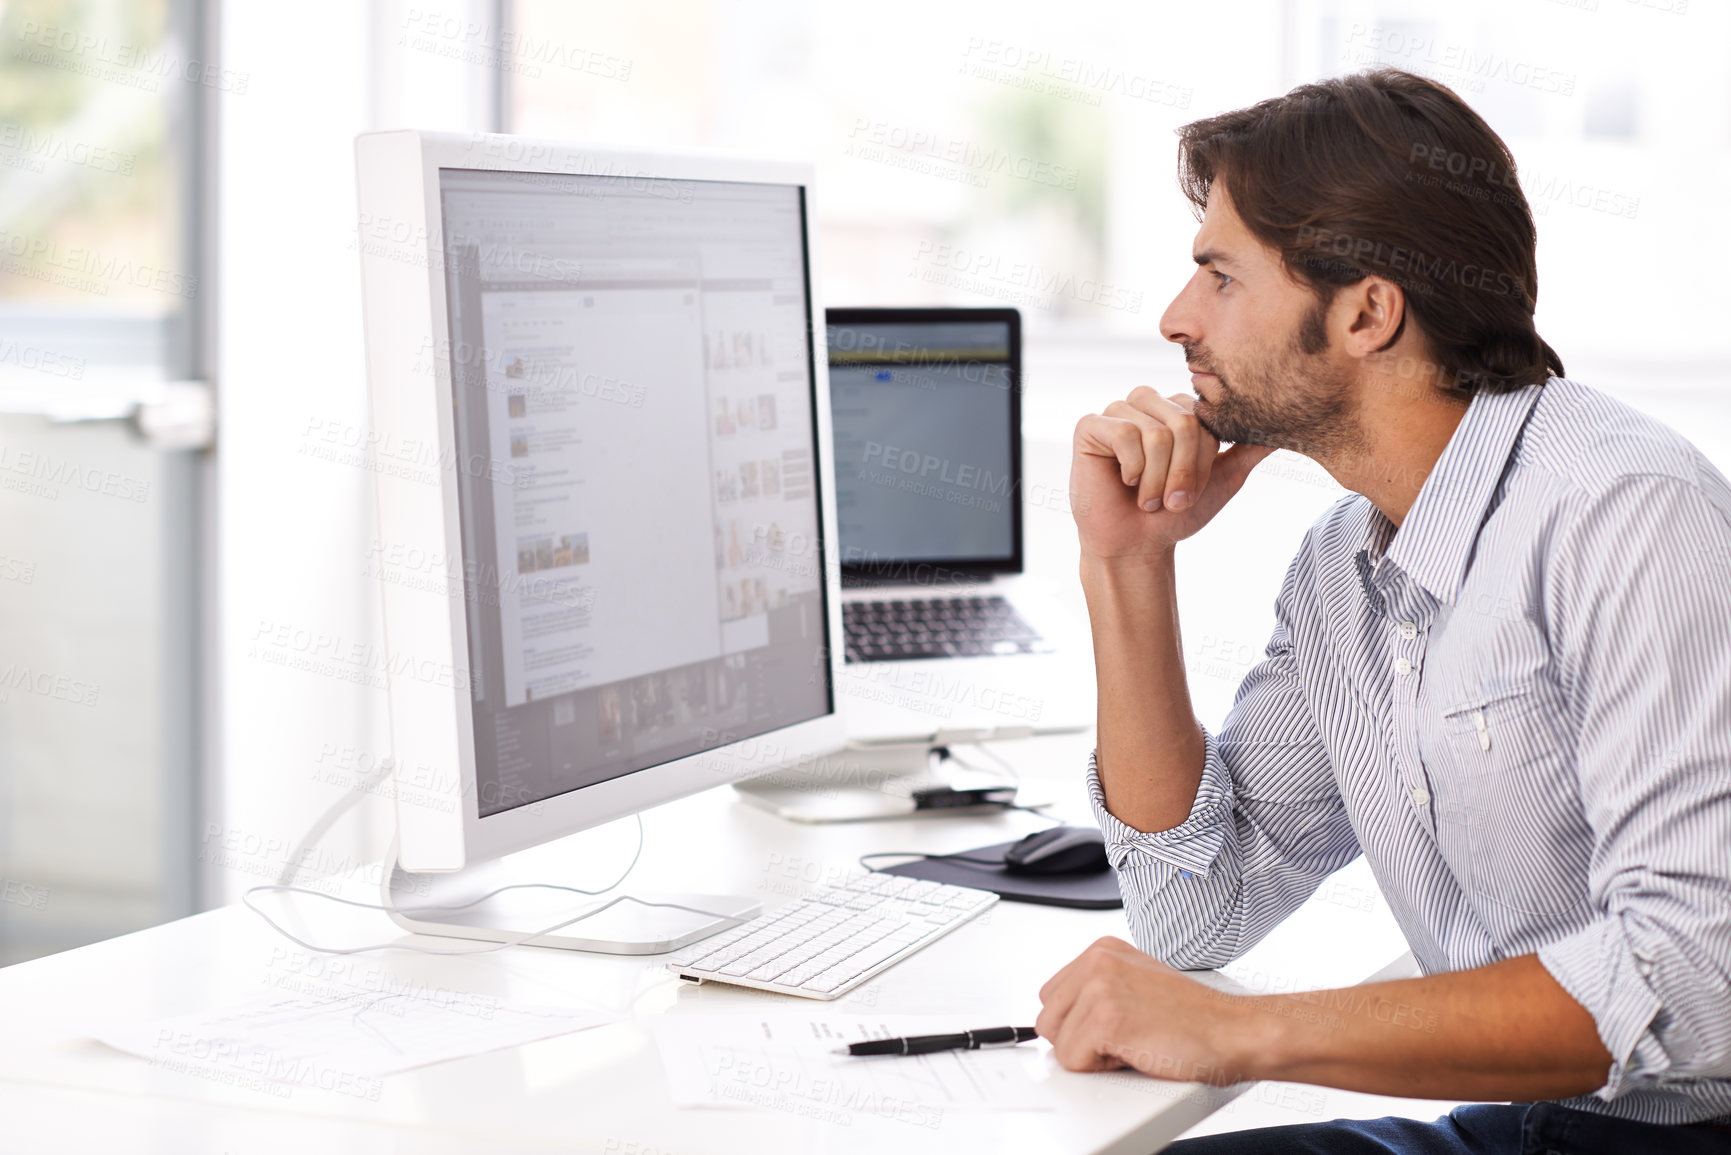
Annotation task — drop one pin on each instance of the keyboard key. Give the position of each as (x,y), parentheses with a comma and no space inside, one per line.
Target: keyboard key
(858,964)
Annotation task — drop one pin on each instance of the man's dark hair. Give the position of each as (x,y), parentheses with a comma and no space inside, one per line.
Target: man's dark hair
(1391,174)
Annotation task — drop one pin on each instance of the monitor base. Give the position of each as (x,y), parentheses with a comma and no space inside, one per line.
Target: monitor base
(454,905)
(879,782)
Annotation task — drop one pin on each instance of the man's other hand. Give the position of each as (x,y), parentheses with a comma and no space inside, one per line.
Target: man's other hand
(1116,1007)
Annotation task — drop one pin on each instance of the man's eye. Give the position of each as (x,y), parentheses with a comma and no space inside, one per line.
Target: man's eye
(1223,279)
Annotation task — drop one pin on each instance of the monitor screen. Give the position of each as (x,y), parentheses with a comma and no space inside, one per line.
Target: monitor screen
(925,432)
(632,375)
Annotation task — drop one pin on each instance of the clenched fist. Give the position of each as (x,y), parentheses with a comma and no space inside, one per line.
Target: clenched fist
(1145,475)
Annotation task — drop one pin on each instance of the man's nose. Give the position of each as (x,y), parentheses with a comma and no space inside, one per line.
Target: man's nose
(1178,323)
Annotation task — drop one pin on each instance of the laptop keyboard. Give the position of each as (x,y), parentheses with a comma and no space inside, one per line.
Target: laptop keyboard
(900,631)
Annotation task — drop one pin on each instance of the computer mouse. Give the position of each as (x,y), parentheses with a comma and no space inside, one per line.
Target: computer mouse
(1060,850)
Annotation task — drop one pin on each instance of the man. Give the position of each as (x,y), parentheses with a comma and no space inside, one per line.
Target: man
(1501,668)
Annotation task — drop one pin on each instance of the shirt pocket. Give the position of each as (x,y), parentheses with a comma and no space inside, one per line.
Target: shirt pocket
(1513,796)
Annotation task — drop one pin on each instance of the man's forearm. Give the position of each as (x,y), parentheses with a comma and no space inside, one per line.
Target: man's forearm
(1149,748)
(1506,1031)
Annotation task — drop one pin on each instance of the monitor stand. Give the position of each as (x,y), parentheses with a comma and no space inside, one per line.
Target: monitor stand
(881,782)
(451,904)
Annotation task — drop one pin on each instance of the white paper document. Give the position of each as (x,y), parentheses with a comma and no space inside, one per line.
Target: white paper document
(788,1063)
(341,1042)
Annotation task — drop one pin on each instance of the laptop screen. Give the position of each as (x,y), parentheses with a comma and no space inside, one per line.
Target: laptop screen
(926,415)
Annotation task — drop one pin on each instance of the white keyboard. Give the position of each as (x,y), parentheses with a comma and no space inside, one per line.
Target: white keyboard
(828,943)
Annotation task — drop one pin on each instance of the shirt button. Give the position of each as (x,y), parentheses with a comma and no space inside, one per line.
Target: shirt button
(1420,796)
(1644,965)
(1402,667)
(1409,630)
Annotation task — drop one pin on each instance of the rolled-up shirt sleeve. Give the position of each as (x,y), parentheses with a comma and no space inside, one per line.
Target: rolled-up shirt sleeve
(1193,844)
(1267,826)
(1641,609)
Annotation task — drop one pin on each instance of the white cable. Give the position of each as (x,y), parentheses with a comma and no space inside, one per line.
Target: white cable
(317,831)
(323,825)
(993,755)
(246,900)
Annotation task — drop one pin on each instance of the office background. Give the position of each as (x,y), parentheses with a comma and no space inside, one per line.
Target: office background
(191,666)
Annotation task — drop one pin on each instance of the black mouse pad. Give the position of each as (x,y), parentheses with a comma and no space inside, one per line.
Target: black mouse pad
(1096,890)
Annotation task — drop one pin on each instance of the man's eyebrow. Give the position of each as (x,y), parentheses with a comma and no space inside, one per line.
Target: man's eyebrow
(1213,257)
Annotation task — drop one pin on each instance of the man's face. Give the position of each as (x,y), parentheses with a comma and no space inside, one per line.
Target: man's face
(1257,344)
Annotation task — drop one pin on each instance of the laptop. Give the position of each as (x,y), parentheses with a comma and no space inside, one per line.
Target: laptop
(947,640)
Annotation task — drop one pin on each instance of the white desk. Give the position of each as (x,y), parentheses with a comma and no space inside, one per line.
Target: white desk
(600,1090)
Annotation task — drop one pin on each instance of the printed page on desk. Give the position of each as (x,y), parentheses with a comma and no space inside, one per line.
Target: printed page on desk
(343,1041)
(788,1062)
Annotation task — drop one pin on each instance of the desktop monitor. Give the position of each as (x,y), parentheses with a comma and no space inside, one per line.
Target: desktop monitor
(601,431)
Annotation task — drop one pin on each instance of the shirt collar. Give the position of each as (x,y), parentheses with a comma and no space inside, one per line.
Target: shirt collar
(1435,542)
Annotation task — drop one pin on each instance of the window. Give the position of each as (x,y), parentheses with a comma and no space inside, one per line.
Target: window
(100,307)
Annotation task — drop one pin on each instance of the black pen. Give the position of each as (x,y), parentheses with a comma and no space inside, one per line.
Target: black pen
(926,1044)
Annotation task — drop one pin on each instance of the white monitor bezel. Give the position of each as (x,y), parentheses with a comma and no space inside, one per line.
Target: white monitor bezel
(425,628)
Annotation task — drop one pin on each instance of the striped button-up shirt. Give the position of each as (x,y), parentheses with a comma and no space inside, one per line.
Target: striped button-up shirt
(1517,707)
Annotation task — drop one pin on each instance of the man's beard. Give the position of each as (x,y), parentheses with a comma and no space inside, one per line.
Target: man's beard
(1294,399)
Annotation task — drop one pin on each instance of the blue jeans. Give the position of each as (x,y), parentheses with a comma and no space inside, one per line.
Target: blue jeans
(1477,1129)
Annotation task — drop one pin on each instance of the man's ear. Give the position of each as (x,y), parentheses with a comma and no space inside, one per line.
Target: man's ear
(1377,317)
